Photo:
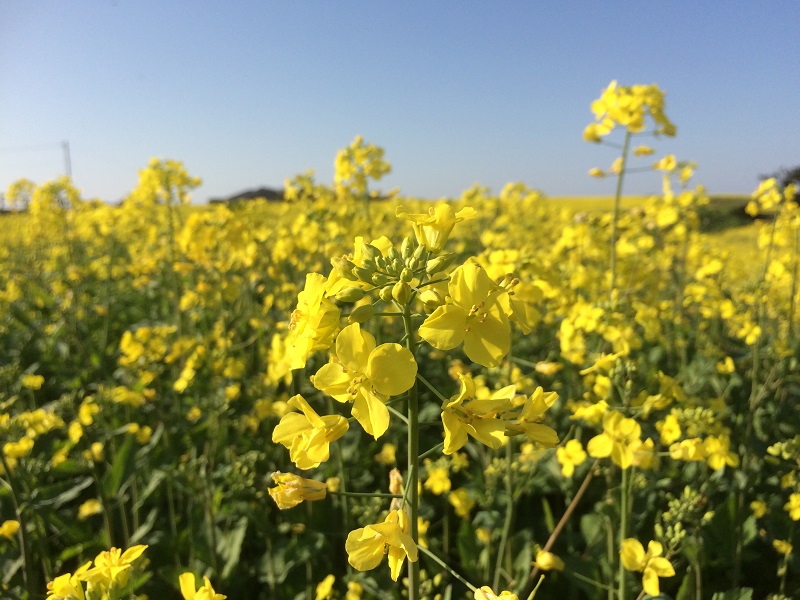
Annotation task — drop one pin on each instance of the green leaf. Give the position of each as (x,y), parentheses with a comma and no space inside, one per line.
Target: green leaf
(735,594)
(144,528)
(229,546)
(123,465)
(52,495)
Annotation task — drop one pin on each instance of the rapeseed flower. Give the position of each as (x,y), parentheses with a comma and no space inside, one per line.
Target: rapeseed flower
(547,561)
(9,529)
(366,375)
(367,546)
(650,563)
(464,415)
(433,229)
(113,567)
(307,435)
(205,592)
(486,593)
(569,456)
(619,440)
(472,316)
(290,490)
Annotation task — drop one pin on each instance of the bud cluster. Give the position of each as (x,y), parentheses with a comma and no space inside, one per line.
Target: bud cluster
(393,275)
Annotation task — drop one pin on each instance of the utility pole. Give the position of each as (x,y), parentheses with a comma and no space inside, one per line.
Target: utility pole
(67,159)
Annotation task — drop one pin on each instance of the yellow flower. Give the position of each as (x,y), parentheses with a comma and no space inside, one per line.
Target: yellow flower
(463,414)
(19,449)
(89,508)
(726,366)
(596,172)
(668,163)
(471,315)
(206,592)
(313,323)
(461,501)
(9,529)
(113,566)
(547,561)
(793,507)
(387,455)
(367,546)
(718,454)
(437,482)
(759,508)
(643,151)
(68,586)
(354,591)
(307,435)
(325,587)
(669,429)
(433,229)
(783,547)
(486,593)
(689,450)
(290,490)
(367,375)
(569,456)
(532,411)
(650,563)
(619,440)
(32,382)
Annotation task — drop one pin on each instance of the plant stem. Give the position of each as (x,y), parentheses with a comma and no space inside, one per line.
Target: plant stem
(447,568)
(615,218)
(623,529)
(413,461)
(24,545)
(507,522)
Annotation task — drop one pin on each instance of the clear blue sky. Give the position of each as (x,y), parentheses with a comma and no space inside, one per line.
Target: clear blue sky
(248,93)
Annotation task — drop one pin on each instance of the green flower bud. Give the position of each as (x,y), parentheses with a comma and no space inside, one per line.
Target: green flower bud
(361,314)
(380,279)
(440,263)
(363,274)
(350,294)
(407,247)
(401,292)
(344,267)
(394,255)
(370,251)
(406,275)
(386,293)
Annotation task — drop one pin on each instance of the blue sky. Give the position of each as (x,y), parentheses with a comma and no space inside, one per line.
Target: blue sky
(248,93)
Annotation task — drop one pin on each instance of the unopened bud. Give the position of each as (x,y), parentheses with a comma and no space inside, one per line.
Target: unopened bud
(401,292)
(371,251)
(406,275)
(407,247)
(363,274)
(361,314)
(393,254)
(344,267)
(350,294)
(440,263)
(386,293)
(380,279)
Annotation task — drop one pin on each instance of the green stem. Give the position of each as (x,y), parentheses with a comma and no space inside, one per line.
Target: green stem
(365,495)
(623,530)
(413,461)
(447,568)
(24,545)
(508,518)
(615,218)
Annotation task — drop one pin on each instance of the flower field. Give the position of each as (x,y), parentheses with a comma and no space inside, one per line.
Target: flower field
(353,394)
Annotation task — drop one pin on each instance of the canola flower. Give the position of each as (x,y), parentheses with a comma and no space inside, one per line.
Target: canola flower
(650,563)
(472,316)
(367,546)
(367,375)
(290,490)
(204,592)
(620,439)
(307,435)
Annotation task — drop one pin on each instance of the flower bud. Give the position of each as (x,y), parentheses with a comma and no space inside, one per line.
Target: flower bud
(440,263)
(406,275)
(380,279)
(407,247)
(394,255)
(401,292)
(361,314)
(386,293)
(363,274)
(344,267)
(350,294)
(370,251)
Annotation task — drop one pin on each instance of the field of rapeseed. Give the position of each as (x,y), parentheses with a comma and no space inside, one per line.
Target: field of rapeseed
(358,395)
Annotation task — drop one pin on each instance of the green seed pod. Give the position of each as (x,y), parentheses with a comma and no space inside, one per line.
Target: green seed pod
(386,293)
(350,294)
(401,292)
(361,314)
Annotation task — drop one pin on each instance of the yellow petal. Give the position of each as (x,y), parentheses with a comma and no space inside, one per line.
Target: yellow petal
(392,369)
(445,328)
(353,347)
(371,412)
